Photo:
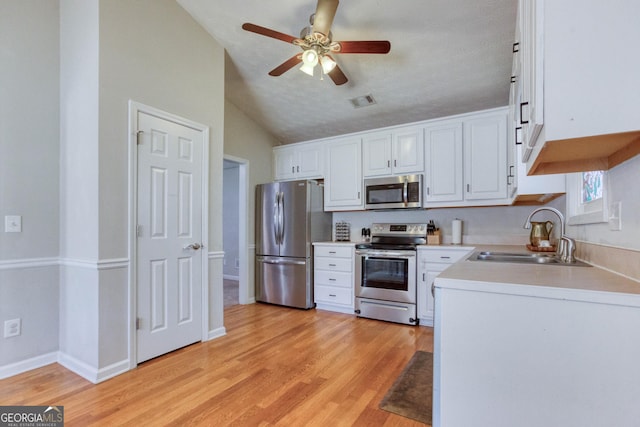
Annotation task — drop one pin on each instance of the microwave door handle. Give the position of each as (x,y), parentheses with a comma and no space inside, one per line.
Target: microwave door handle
(405,193)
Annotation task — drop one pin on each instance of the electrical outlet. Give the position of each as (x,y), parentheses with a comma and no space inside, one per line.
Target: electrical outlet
(13,224)
(12,328)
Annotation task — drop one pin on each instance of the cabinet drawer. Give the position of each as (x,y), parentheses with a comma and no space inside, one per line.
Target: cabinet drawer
(333,278)
(333,251)
(448,256)
(333,264)
(333,295)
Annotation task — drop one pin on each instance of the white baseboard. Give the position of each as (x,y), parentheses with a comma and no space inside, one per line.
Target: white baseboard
(217,333)
(89,372)
(16,368)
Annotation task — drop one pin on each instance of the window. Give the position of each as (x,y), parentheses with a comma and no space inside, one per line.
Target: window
(592,186)
(587,197)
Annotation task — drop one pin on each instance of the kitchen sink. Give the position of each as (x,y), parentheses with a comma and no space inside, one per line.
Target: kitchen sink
(524,258)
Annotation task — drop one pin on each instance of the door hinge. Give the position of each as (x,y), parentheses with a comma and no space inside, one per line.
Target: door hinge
(138,230)
(138,133)
(138,323)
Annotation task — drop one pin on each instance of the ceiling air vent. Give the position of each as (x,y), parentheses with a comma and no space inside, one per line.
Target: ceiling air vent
(362,101)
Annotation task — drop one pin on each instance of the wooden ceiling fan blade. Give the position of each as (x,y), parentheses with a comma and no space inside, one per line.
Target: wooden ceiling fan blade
(371,46)
(323,18)
(286,65)
(337,76)
(263,31)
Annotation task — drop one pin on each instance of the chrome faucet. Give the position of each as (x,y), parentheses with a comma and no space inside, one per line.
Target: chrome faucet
(566,245)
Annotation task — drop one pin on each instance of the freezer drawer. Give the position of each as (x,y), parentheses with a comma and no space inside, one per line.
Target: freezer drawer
(284,281)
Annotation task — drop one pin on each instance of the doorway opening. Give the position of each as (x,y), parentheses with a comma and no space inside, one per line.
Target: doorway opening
(234,239)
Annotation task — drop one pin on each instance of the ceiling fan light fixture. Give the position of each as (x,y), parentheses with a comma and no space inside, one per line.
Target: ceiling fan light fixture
(328,64)
(310,57)
(308,69)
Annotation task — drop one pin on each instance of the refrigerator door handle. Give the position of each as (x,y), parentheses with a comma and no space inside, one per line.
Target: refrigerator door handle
(276,215)
(281,220)
(279,260)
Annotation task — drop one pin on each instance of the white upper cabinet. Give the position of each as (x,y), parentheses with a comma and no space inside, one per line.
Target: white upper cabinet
(467,161)
(397,152)
(577,84)
(485,157)
(529,51)
(343,175)
(298,161)
(376,154)
(443,157)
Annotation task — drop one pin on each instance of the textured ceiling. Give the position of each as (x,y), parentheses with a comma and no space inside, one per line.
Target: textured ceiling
(447,57)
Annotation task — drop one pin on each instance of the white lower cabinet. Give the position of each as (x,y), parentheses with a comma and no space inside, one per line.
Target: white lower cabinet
(333,276)
(433,260)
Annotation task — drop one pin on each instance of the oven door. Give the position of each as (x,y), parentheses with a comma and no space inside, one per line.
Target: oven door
(386,275)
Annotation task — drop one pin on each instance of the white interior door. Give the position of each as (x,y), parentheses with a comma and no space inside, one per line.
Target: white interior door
(170,234)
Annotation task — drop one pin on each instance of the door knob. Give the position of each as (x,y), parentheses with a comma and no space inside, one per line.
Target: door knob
(194,246)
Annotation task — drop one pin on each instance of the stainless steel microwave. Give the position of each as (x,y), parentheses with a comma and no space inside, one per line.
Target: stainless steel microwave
(393,192)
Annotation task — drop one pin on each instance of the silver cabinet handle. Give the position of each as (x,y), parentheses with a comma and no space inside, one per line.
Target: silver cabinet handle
(194,246)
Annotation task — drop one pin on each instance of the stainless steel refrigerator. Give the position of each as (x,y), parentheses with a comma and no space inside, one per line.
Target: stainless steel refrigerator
(289,217)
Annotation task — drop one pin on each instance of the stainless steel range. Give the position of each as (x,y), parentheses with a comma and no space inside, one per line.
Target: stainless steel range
(385,282)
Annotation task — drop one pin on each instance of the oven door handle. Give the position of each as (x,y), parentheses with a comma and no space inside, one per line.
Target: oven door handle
(385,254)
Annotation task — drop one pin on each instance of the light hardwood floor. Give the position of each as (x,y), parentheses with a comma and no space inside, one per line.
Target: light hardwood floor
(275,366)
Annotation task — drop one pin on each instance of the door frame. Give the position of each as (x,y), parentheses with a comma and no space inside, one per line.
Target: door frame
(243,227)
(135,108)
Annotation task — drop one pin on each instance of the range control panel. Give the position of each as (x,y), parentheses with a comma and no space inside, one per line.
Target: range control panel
(388,229)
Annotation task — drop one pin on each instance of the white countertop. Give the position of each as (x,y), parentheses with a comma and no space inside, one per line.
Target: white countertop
(589,284)
(336,243)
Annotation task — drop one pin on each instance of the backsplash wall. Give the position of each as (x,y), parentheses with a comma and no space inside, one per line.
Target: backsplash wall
(482,225)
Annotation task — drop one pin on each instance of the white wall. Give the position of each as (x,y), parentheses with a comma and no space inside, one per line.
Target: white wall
(153,52)
(69,68)
(624,187)
(245,139)
(231,220)
(79,192)
(29,168)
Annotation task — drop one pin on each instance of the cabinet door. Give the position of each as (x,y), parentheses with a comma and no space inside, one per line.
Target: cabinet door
(531,104)
(343,182)
(426,276)
(408,151)
(443,175)
(485,157)
(309,161)
(376,155)
(284,163)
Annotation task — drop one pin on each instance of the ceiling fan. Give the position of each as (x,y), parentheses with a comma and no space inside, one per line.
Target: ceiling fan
(317,44)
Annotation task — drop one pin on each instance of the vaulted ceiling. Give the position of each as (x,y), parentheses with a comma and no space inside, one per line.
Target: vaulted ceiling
(447,57)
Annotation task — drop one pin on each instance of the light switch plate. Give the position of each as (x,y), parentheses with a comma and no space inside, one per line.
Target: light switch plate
(615,216)
(13,224)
